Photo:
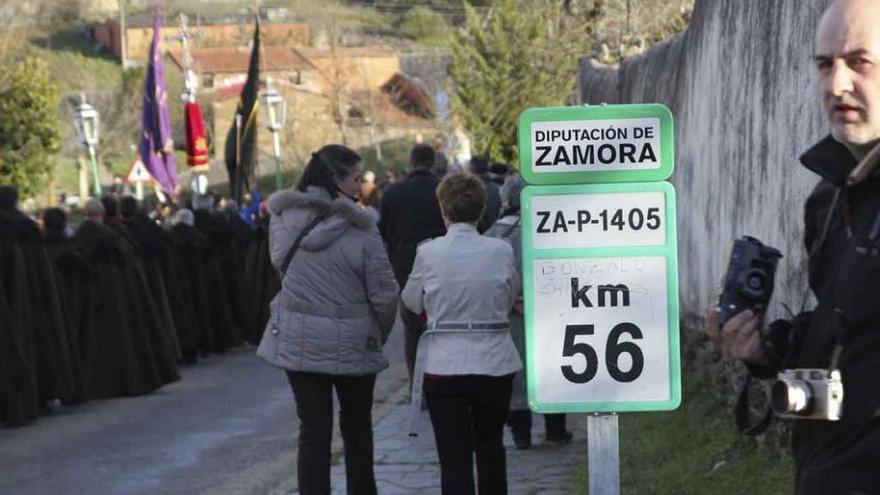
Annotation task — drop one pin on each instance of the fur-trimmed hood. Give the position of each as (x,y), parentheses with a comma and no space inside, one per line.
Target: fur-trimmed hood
(296,209)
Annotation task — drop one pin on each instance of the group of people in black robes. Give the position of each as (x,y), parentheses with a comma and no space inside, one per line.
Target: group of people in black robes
(112,308)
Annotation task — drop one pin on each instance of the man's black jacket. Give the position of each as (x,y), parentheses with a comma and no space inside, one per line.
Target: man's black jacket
(410,214)
(493,204)
(839,457)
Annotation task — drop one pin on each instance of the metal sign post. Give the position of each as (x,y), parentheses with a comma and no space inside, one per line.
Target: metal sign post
(600,269)
(603,455)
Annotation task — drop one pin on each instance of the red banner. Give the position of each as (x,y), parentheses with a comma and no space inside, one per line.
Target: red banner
(196,141)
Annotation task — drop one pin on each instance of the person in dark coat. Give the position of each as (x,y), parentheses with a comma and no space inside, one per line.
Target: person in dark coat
(261,279)
(479,166)
(225,273)
(509,228)
(236,261)
(124,352)
(55,376)
(19,399)
(190,259)
(842,238)
(498,173)
(69,272)
(152,245)
(147,272)
(261,283)
(410,214)
(40,307)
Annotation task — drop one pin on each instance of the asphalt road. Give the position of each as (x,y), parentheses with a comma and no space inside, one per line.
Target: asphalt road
(228,427)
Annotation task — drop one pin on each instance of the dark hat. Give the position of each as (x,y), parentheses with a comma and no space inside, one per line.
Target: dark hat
(480,164)
(54,219)
(499,168)
(111,206)
(8,198)
(128,206)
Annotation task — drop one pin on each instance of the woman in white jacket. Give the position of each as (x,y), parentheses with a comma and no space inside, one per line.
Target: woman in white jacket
(466,284)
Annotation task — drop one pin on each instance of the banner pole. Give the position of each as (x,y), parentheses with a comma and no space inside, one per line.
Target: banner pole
(236,189)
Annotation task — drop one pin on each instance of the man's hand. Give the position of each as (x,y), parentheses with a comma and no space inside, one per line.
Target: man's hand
(740,338)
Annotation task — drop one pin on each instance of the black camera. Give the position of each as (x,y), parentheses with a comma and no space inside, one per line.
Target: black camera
(749,280)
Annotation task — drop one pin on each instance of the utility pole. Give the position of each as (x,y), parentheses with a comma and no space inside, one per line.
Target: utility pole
(628,14)
(122,42)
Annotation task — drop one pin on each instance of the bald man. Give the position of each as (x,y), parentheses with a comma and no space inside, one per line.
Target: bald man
(94,210)
(842,236)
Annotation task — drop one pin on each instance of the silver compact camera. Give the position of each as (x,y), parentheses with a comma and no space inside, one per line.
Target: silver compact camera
(808,393)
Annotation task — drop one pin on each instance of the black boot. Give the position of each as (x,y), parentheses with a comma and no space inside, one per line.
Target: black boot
(556,432)
(521,426)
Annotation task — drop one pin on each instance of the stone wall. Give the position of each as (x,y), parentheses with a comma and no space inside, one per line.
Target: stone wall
(742,87)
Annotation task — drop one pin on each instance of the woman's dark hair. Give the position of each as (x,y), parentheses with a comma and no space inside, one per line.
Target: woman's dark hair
(328,164)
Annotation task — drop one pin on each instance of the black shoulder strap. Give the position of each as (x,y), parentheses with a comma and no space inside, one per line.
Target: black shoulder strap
(293,249)
(741,412)
(512,226)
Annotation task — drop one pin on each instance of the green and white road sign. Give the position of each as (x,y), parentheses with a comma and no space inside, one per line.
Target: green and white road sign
(600,280)
(600,268)
(596,144)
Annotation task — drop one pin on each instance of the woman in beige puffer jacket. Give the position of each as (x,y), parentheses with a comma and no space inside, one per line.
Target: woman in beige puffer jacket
(332,316)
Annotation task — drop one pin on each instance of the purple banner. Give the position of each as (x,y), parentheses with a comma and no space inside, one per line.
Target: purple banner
(157,144)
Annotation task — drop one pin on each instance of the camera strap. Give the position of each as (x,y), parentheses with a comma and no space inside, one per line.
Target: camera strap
(741,408)
(841,335)
(742,414)
(814,249)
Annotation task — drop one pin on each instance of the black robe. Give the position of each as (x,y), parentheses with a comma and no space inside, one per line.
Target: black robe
(152,245)
(125,350)
(55,375)
(38,309)
(190,260)
(19,401)
(237,265)
(70,271)
(149,299)
(226,278)
(261,281)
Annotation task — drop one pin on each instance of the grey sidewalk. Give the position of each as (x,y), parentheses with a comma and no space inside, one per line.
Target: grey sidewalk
(409,465)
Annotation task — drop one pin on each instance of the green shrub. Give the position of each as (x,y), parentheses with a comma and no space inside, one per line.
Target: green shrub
(29,130)
(422,23)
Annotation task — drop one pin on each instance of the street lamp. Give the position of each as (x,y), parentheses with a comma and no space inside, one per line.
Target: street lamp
(88,127)
(276,113)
